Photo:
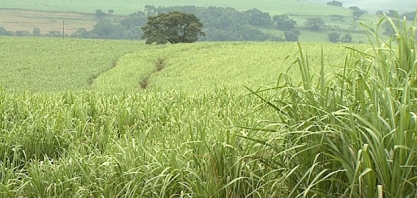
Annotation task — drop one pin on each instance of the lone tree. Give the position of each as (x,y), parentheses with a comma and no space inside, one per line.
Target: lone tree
(173,27)
(292,35)
(334,37)
(335,3)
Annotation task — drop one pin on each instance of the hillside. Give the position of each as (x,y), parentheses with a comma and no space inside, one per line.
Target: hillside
(50,15)
(51,65)
(375,5)
(125,7)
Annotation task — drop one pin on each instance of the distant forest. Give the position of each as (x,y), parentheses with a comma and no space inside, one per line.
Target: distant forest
(220,24)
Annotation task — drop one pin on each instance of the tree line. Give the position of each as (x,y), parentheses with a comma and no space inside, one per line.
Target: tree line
(220,24)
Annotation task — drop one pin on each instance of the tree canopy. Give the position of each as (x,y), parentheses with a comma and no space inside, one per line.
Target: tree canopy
(315,24)
(284,22)
(173,27)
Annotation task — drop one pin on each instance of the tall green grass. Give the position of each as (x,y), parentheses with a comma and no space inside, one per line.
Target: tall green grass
(53,64)
(204,67)
(172,144)
(352,134)
(349,134)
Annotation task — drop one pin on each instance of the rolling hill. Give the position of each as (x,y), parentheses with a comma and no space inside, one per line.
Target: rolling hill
(49,15)
(55,65)
(375,5)
(125,7)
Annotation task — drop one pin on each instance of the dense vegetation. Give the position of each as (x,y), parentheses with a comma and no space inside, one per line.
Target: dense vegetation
(50,64)
(173,27)
(351,133)
(53,65)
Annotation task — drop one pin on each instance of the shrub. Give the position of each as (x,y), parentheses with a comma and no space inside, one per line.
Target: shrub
(292,35)
(334,37)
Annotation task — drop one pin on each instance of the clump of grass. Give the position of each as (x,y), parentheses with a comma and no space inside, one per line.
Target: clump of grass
(352,134)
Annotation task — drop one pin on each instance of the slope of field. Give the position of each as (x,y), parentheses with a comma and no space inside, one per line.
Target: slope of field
(48,64)
(18,20)
(207,66)
(130,6)
(54,12)
(354,132)
(375,5)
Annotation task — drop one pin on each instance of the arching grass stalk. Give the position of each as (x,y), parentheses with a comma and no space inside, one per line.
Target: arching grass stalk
(352,134)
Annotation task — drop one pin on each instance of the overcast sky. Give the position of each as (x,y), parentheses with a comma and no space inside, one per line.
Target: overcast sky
(375,5)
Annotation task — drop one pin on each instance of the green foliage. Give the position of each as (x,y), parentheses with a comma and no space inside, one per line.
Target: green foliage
(284,22)
(36,32)
(80,33)
(409,15)
(203,67)
(292,35)
(168,144)
(3,31)
(173,27)
(347,38)
(352,134)
(335,3)
(117,66)
(339,18)
(22,33)
(259,18)
(334,37)
(315,24)
(50,65)
(357,12)
(54,33)
(233,26)
(99,14)
(107,30)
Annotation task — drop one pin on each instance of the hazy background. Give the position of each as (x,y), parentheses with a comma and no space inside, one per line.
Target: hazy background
(375,5)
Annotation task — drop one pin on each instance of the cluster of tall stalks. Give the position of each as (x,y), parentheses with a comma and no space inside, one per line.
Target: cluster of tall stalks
(350,134)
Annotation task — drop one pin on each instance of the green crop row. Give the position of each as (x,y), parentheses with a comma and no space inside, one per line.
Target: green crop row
(312,133)
(208,66)
(352,134)
(51,64)
(133,145)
